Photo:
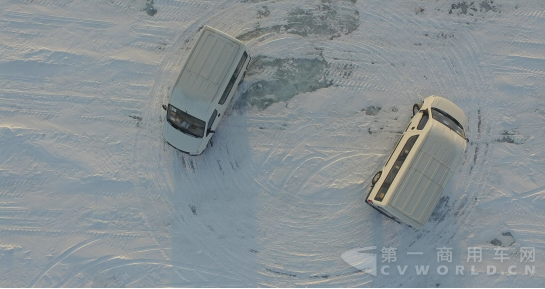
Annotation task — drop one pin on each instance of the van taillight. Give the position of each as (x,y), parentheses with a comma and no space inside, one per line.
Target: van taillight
(370,202)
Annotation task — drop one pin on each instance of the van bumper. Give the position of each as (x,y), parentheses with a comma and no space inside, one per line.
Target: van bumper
(177,148)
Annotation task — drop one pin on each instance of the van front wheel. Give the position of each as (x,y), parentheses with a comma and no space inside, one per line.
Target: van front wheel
(416,108)
(376,178)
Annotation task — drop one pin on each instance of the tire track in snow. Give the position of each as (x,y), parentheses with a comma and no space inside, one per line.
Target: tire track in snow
(453,69)
(23,20)
(280,154)
(213,252)
(99,262)
(117,262)
(64,233)
(460,59)
(61,257)
(482,186)
(156,233)
(54,3)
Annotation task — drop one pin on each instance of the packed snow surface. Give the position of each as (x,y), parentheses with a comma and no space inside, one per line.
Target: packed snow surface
(91,195)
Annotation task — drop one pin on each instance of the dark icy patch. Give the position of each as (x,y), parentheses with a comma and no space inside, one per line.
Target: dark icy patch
(138,118)
(327,22)
(462,6)
(487,6)
(469,8)
(495,242)
(263,12)
(505,240)
(150,10)
(511,137)
(331,18)
(508,234)
(507,137)
(193,209)
(440,35)
(444,35)
(372,110)
(291,76)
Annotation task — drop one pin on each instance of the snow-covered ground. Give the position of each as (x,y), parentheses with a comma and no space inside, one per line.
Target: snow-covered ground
(90,195)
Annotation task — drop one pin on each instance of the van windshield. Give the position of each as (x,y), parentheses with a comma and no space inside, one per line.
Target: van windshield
(448,120)
(184,122)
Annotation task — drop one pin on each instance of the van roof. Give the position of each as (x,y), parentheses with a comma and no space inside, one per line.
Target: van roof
(205,72)
(431,168)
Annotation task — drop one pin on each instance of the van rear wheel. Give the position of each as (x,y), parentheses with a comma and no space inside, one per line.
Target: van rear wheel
(416,108)
(376,178)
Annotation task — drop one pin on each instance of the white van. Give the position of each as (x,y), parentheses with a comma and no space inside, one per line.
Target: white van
(209,78)
(413,178)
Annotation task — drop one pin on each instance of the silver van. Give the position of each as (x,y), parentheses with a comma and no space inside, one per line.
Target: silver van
(208,80)
(413,178)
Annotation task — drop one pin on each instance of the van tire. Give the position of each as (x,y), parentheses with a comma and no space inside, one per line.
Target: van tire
(416,108)
(376,178)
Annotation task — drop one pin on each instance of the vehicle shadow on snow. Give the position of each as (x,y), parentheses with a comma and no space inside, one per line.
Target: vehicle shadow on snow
(213,198)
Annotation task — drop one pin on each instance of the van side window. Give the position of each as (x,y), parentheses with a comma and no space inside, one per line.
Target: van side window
(423,120)
(395,168)
(397,144)
(240,64)
(233,78)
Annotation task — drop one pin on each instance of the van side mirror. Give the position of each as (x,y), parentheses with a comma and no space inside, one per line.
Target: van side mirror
(164,106)
(209,132)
